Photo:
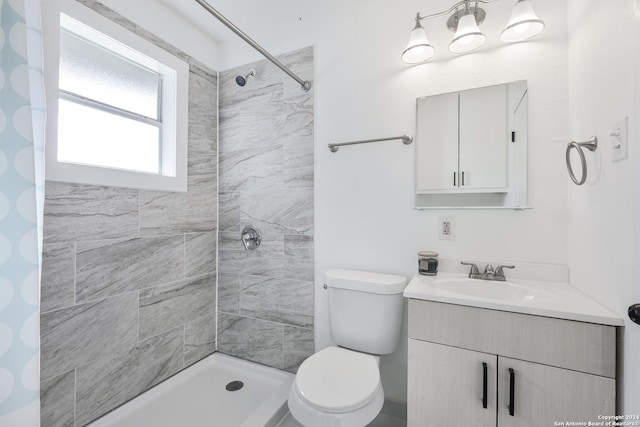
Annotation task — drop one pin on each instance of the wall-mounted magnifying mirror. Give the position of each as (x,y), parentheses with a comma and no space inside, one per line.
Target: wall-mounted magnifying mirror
(471,148)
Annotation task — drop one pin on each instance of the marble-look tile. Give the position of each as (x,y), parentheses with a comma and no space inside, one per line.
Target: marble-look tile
(298,257)
(266,260)
(106,384)
(166,307)
(298,117)
(229,293)
(289,212)
(231,252)
(203,99)
(203,139)
(77,335)
(252,169)
(203,116)
(150,37)
(57,401)
(253,120)
(298,142)
(109,13)
(298,170)
(298,345)
(200,338)
(58,276)
(301,63)
(229,212)
(278,300)
(111,267)
(267,75)
(88,212)
(199,68)
(203,173)
(165,213)
(200,254)
(251,339)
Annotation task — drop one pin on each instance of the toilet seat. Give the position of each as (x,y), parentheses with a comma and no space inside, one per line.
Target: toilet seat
(337,380)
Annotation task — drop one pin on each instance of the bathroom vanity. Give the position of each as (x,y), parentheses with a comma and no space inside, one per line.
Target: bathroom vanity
(519,353)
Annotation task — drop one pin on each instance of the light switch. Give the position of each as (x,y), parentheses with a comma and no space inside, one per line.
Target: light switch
(620,140)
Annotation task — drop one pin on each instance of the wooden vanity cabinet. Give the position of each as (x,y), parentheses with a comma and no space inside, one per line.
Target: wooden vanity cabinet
(527,370)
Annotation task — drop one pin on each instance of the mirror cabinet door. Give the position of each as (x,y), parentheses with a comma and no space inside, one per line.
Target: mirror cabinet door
(465,153)
(437,165)
(483,139)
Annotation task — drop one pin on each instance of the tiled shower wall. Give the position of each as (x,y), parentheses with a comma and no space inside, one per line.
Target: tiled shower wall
(129,277)
(265,306)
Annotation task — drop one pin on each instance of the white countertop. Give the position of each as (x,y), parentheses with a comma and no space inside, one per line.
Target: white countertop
(550,299)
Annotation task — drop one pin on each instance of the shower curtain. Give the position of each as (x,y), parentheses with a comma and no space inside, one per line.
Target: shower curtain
(21,206)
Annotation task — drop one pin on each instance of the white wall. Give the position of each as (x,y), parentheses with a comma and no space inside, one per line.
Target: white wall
(365,216)
(364,195)
(603,253)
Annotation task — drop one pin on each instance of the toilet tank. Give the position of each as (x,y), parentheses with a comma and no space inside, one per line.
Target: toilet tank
(365,310)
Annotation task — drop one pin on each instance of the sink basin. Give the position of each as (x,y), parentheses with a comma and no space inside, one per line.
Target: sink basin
(549,299)
(502,291)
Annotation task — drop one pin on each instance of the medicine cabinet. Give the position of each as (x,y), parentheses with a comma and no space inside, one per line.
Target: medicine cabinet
(471,148)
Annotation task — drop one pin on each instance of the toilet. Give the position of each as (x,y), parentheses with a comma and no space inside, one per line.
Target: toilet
(340,386)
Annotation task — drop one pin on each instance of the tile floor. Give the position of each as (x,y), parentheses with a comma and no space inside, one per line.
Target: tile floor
(382,420)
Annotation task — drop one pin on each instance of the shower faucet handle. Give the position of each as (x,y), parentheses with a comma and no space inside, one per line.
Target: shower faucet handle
(251,237)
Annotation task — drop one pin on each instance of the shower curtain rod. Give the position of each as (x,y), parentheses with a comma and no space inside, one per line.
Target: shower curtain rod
(304,84)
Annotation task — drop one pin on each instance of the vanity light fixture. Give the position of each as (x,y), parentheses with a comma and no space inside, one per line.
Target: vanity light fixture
(464,21)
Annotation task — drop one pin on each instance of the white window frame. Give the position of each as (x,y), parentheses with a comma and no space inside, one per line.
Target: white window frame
(175,100)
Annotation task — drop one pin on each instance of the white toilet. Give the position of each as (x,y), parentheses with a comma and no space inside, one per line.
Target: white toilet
(340,386)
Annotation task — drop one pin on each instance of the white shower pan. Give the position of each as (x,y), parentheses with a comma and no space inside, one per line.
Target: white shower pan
(198,397)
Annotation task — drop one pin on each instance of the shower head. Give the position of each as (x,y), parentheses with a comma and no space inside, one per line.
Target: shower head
(242,80)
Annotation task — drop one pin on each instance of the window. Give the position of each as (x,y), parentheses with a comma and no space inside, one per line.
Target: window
(122,107)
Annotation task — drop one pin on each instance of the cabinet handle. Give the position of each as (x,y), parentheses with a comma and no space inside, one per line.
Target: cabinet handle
(512,389)
(454,179)
(462,179)
(484,385)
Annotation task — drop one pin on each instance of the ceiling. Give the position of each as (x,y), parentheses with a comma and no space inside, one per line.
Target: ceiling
(250,16)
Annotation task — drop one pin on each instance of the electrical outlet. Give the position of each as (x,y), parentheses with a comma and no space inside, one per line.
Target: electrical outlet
(446,228)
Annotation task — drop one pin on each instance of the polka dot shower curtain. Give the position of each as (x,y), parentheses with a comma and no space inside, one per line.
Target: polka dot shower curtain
(21,206)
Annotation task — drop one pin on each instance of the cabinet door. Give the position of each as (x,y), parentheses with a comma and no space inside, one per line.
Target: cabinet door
(483,138)
(437,146)
(544,394)
(446,386)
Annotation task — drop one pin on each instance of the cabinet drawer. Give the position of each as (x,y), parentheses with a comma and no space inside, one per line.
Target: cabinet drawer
(579,346)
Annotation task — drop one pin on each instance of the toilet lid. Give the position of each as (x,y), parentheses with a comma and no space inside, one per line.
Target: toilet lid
(338,380)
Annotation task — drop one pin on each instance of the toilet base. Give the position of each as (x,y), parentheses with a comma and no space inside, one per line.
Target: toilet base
(311,417)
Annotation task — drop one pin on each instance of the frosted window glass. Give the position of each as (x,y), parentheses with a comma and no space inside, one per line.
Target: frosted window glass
(88,70)
(94,137)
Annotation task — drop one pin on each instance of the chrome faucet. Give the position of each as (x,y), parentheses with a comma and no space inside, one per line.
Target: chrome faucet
(489,273)
(474,273)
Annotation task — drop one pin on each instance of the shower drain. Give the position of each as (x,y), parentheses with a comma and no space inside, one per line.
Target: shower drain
(234,386)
